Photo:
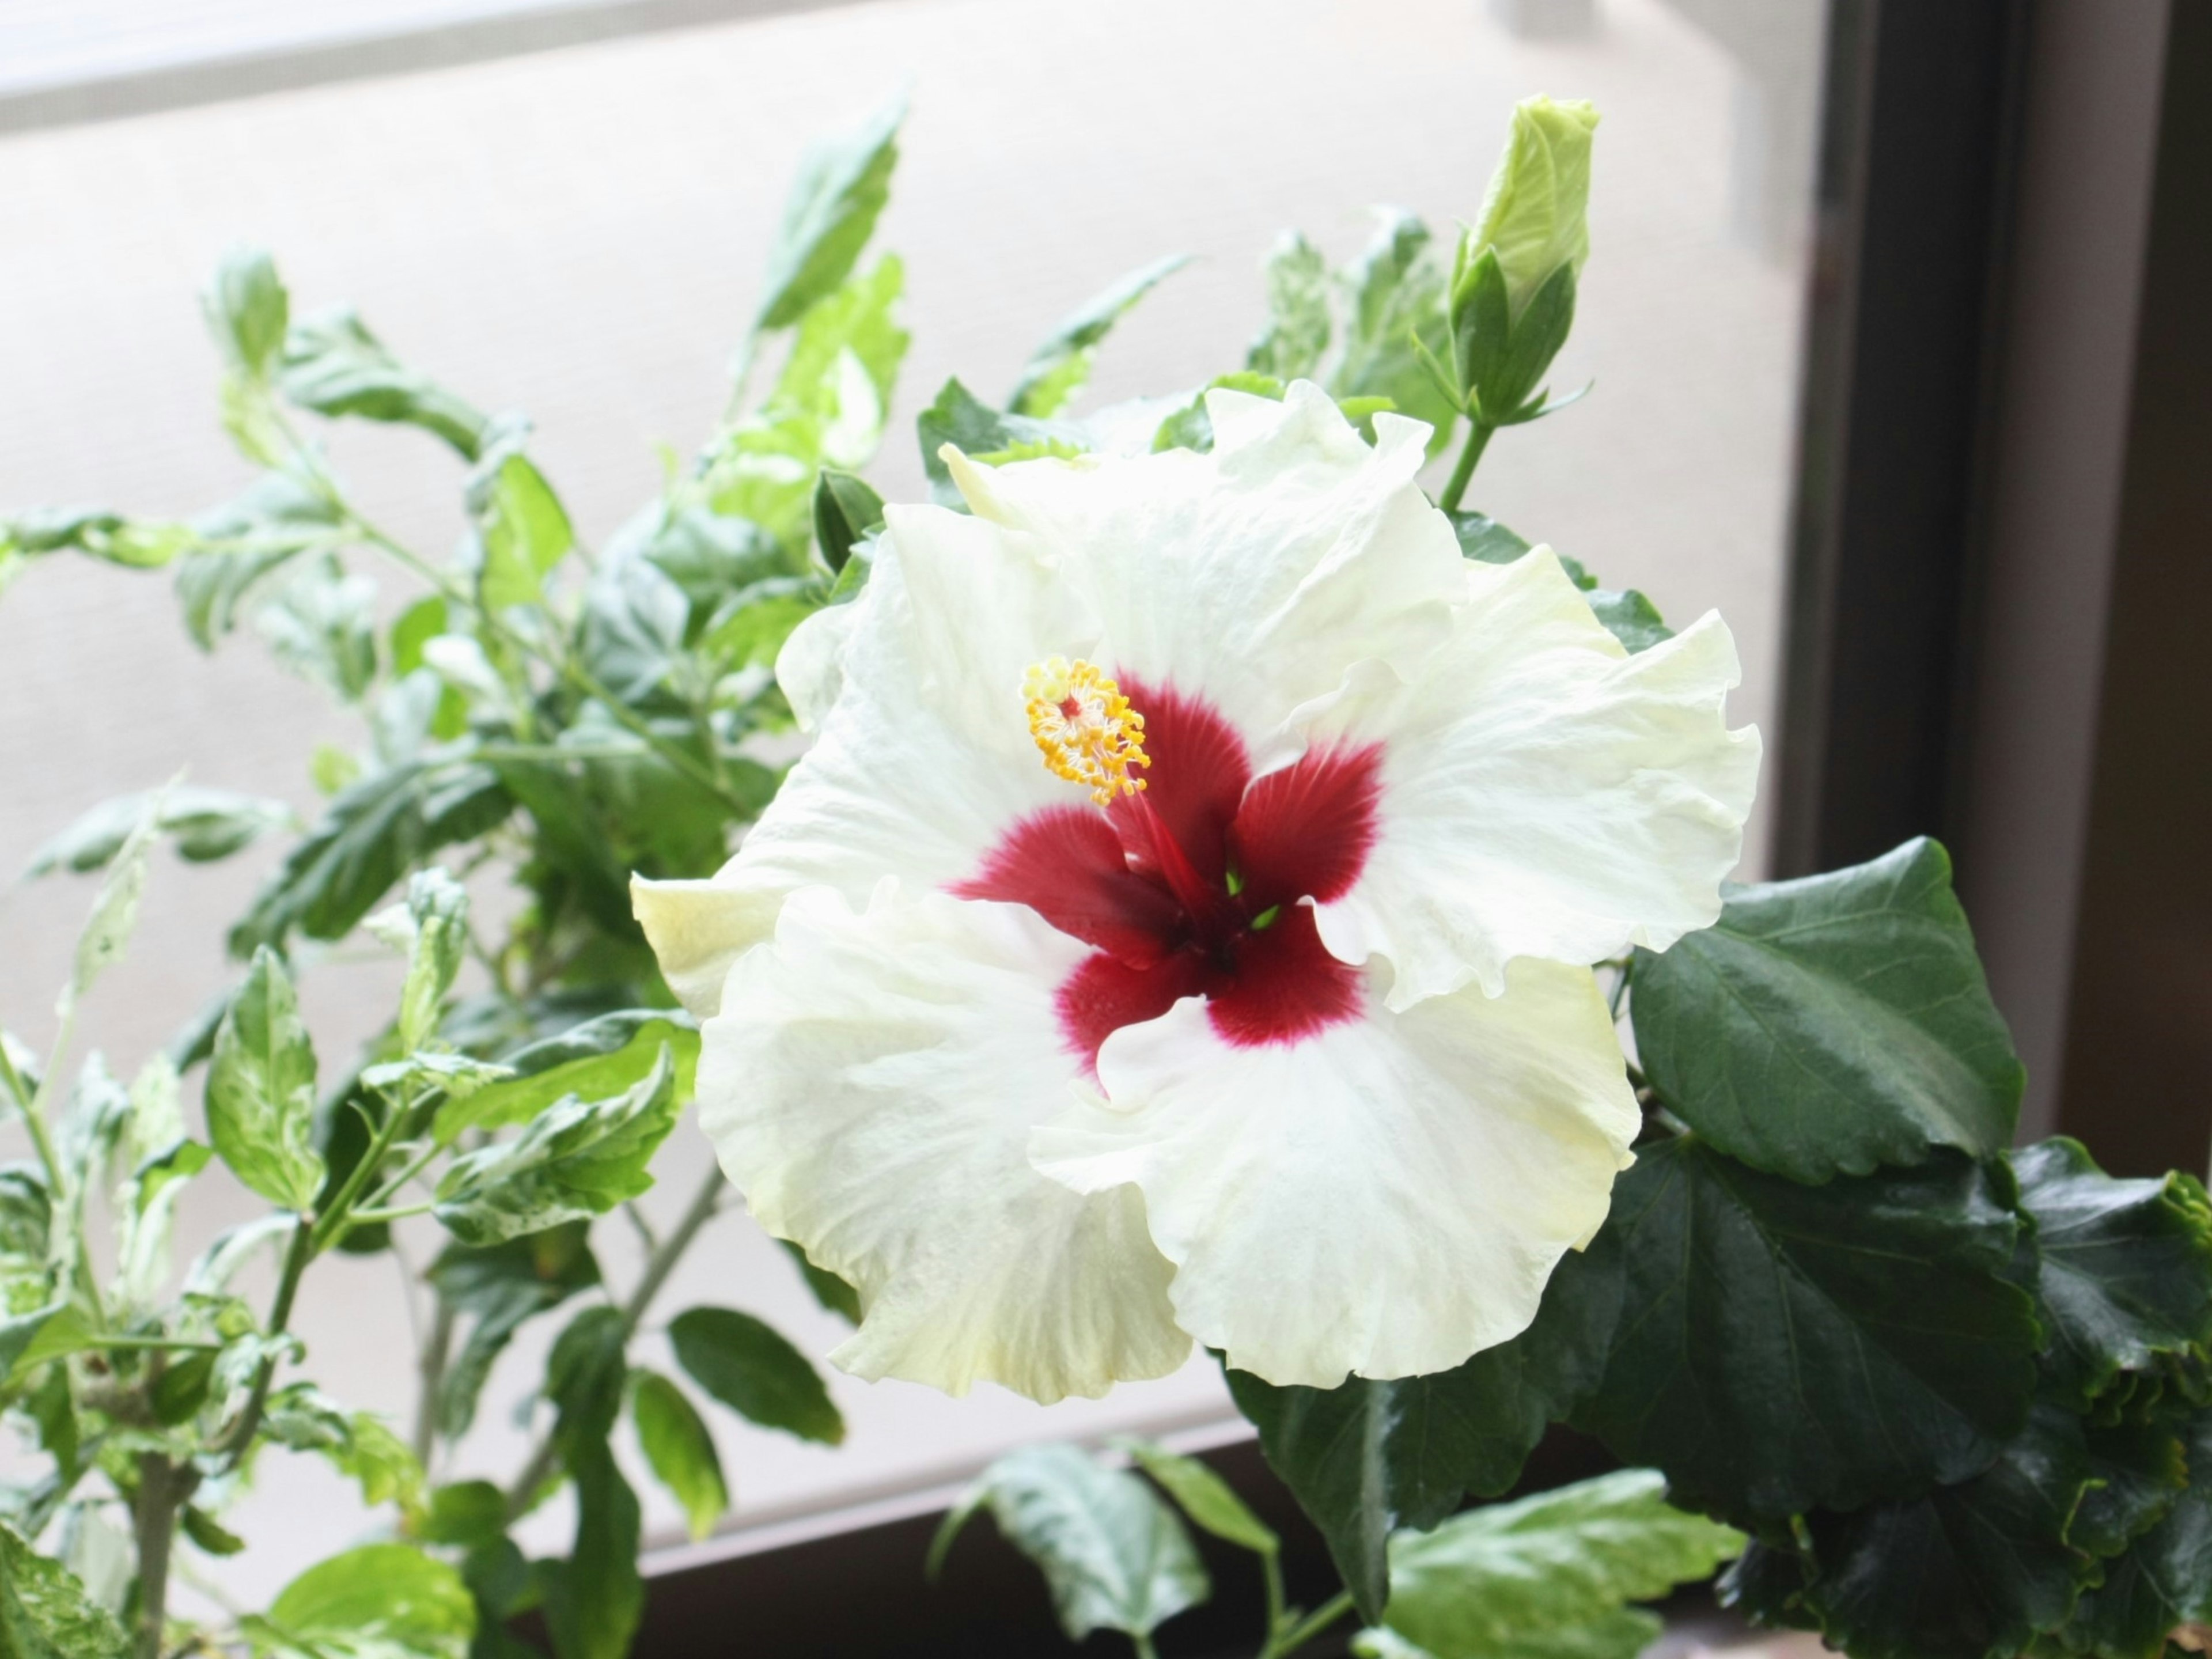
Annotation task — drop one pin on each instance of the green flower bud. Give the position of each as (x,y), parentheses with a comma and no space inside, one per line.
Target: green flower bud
(1536,217)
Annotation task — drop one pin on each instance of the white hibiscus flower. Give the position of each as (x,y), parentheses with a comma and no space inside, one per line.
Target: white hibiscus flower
(1258,1009)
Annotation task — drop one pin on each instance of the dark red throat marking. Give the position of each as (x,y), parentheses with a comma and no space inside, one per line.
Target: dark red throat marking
(1194,888)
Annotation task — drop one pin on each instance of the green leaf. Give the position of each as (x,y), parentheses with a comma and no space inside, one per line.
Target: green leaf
(465,1514)
(1210,1502)
(584,1378)
(334,366)
(134,544)
(1799,1346)
(379,1601)
(27,1211)
(205,1531)
(45,1612)
(842,186)
(205,825)
(834,1295)
(248,311)
(2126,1266)
(114,915)
(1114,1554)
(261,1089)
(844,363)
(321,624)
(1366,1459)
(1524,1578)
(577,1158)
(238,546)
(1631,618)
(1296,336)
(601,1057)
(708,554)
(438,909)
(1486,541)
(632,631)
(367,839)
(1535,216)
(2164,1579)
(500,1289)
(593,1603)
(1831,1024)
(415,628)
(1396,291)
(680,1450)
(960,418)
(756,1372)
(524,529)
(1061,368)
(846,510)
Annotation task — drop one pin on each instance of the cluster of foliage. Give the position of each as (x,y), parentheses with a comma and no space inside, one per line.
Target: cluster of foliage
(1933,1396)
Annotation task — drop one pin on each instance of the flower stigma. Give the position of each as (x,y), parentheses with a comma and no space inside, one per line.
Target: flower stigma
(1084,727)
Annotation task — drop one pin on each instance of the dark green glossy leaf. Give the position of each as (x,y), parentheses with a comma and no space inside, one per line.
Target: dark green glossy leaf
(500,1289)
(1519,1579)
(261,1089)
(756,1373)
(205,1531)
(576,1158)
(960,418)
(842,186)
(679,1449)
(593,1603)
(2164,1579)
(1483,538)
(1630,617)
(846,510)
(45,1612)
(1061,368)
(334,366)
(1832,1023)
(584,1378)
(1795,1346)
(1114,1554)
(1295,337)
(2126,1266)
(1367,1459)
(832,1292)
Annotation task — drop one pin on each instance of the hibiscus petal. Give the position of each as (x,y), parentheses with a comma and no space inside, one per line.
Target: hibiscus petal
(699,928)
(1067,864)
(870,1087)
(1385,1198)
(1251,576)
(1543,792)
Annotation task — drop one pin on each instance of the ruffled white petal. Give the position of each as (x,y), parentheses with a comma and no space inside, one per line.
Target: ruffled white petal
(1254,575)
(1544,792)
(1386,1198)
(870,1086)
(698,929)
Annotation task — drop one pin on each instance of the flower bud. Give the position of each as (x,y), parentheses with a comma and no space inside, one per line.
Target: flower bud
(1535,216)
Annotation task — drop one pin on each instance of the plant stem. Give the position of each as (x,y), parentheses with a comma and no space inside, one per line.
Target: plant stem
(431,1369)
(233,1445)
(1307,1628)
(1271,1568)
(1143,1643)
(163,1489)
(1478,439)
(658,1267)
(369,1217)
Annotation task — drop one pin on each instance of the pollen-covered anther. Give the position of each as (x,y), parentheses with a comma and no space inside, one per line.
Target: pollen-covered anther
(1084,727)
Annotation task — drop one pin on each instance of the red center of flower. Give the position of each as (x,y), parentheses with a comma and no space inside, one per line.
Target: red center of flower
(1194,886)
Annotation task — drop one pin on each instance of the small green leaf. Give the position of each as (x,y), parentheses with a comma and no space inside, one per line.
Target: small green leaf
(334,366)
(2126,1266)
(380,1599)
(205,825)
(1831,1024)
(832,1292)
(45,1612)
(599,1058)
(1059,368)
(1366,1459)
(576,1158)
(1798,1346)
(238,546)
(1296,338)
(1114,1554)
(1395,288)
(846,510)
(960,418)
(261,1089)
(1631,618)
(524,529)
(680,1450)
(205,1531)
(465,1514)
(248,311)
(842,186)
(1210,1502)
(756,1372)
(438,909)
(1522,1580)
(415,628)
(114,915)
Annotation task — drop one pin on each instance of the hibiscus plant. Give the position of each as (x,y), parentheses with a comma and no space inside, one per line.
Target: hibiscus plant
(1227,895)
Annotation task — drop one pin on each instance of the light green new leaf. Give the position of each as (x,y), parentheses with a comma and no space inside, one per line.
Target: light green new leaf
(205,825)
(45,1612)
(577,1158)
(467,1513)
(379,1601)
(261,1089)
(524,529)
(1535,216)
(146,1205)
(248,311)
(438,908)
(1295,337)
(2125,1272)
(1522,1579)
(680,1450)
(334,366)
(842,186)
(599,1058)
(1832,1023)
(756,1372)
(1203,1496)
(845,361)
(1396,296)
(1792,1346)
(135,543)
(114,915)
(1114,1554)
(27,1213)
(1061,368)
